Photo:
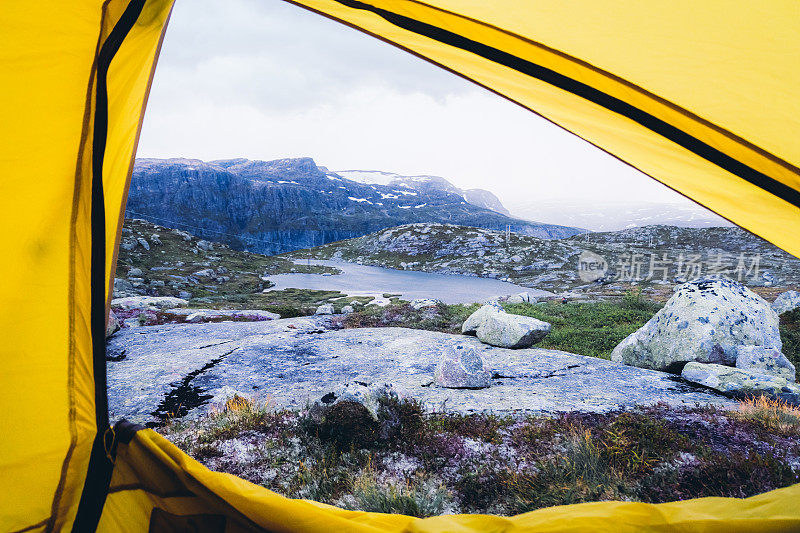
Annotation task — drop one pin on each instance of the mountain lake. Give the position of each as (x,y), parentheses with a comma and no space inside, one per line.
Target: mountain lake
(363,280)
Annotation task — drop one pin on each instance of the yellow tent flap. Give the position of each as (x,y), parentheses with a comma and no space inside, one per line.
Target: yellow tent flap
(701,96)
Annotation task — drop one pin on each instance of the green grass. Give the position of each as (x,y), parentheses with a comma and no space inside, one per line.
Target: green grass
(415,497)
(591,328)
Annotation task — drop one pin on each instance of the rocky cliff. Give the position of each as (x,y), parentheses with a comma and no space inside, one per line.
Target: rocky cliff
(277,206)
(477,197)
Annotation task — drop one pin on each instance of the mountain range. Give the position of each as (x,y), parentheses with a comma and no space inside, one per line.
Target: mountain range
(271,207)
(478,197)
(614,216)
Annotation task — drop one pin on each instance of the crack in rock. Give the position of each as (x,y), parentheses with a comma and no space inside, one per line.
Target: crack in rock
(184,396)
(215,344)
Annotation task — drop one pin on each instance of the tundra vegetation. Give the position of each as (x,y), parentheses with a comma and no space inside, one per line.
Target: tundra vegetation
(424,463)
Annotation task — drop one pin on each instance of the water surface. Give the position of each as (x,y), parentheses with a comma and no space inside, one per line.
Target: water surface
(362,280)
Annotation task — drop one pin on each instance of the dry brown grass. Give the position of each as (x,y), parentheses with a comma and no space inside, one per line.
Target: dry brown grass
(775,415)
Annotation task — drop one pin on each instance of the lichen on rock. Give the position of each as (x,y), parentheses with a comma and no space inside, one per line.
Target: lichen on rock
(705,321)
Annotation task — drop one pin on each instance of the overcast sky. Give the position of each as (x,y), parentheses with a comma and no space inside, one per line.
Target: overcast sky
(263,79)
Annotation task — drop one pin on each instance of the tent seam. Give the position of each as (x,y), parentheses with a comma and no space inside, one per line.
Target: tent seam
(590,94)
(627,83)
(87,115)
(34,526)
(101,466)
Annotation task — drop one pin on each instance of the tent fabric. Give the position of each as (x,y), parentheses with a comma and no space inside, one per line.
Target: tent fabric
(703,97)
(152,473)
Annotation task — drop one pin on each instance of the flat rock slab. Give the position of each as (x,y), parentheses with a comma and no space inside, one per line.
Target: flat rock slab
(294,362)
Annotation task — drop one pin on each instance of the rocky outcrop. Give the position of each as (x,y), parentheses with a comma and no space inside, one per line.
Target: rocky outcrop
(492,325)
(462,367)
(786,301)
(124,288)
(740,383)
(295,362)
(211,315)
(421,303)
(705,321)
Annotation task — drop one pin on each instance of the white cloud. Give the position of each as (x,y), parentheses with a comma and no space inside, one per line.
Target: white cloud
(266,80)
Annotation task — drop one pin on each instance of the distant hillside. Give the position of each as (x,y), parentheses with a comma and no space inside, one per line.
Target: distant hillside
(477,197)
(158,261)
(553,264)
(272,207)
(617,215)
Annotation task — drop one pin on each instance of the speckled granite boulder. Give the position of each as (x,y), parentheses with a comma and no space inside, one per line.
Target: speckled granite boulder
(741,383)
(474,321)
(765,361)
(786,301)
(462,367)
(521,298)
(704,321)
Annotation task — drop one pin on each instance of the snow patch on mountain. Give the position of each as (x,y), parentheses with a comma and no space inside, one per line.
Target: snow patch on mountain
(423,183)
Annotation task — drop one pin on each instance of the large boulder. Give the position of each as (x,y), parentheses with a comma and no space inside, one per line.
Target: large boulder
(370,396)
(462,367)
(474,321)
(786,301)
(512,331)
(741,383)
(765,361)
(522,298)
(705,320)
(492,325)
